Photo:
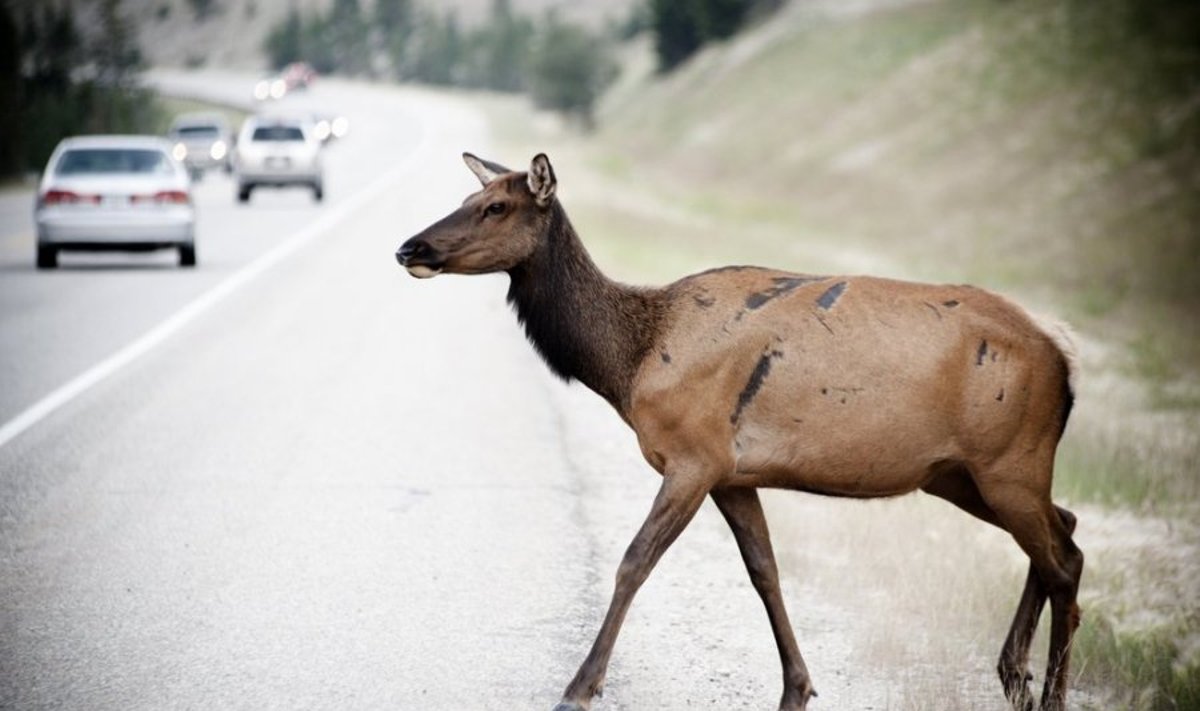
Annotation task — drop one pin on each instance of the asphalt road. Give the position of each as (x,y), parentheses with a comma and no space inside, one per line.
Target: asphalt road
(296,478)
(326,485)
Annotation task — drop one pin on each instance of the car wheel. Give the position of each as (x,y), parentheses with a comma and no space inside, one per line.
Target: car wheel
(318,192)
(244,193)
(187,255)
(47,257)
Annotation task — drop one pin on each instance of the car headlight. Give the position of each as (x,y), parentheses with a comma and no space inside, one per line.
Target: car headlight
(322,130)
(278,89)
(179,152)
(262,90)
(340,127)
(218,150)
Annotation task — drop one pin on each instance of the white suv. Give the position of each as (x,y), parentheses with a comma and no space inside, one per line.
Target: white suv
(276,152)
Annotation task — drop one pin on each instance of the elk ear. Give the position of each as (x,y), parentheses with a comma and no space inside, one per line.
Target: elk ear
(485,170)
(541,180)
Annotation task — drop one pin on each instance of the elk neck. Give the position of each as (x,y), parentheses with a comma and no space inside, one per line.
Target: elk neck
(583,324)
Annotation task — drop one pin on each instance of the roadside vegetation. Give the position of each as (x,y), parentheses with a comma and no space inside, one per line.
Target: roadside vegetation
(561,66)
(1046,150)
(56,81)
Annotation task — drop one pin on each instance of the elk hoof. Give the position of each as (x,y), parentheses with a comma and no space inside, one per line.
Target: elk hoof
(570,706)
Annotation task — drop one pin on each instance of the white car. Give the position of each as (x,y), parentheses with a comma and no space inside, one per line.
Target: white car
(278,152)
(114,193)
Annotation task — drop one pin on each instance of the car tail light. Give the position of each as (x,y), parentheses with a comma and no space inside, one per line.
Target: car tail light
(164,197)
(66,197)
(172,197)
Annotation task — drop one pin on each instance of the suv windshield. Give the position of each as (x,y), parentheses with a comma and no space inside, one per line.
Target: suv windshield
(197,132)
(86,161)
(277,133)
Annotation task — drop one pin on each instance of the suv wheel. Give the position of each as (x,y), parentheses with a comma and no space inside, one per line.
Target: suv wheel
(244,192)
(318,192)
(187,255)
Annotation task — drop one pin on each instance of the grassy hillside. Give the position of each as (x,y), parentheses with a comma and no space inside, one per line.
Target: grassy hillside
(1049,150)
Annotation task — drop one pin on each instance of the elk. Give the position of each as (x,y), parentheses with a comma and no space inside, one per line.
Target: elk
(743,377)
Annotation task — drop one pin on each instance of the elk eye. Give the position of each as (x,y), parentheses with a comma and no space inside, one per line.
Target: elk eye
(496,208)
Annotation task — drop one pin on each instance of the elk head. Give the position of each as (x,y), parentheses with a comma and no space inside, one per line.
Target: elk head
(496,228)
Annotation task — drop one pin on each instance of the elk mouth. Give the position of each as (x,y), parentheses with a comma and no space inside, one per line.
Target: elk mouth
(423,271)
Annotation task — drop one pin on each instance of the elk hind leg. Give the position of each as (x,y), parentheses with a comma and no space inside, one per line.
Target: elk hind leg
(1014,658)
(743,512)
(1043,531)
(955,485)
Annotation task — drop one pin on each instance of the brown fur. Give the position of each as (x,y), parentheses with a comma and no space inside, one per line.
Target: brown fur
(742,377)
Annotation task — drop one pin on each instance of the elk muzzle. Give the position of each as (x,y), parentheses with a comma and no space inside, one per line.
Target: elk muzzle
(419,258)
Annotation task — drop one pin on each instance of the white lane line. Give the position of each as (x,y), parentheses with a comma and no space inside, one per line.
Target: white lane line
(160,333)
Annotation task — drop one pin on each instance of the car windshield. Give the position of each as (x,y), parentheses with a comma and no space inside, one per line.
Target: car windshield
(91,161)
(197,132)
(278,133)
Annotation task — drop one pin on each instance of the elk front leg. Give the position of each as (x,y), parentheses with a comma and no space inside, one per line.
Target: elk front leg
(677,501)
(743,511)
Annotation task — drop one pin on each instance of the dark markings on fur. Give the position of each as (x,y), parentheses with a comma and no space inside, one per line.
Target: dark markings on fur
(1000,395)
(783,285)
(721,270)
(666,357)
(705,301)
(831,295)
(981,353)
(761,370)
(950,304)
(934,309)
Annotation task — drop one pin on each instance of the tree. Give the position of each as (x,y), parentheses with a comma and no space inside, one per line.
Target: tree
(677,31)
(284,43)
(681,27)
(392,16)
(202,9)
(569,69)
(348,37)
(395,21)
(115,52)
(11,95)
(439,52)
(504,47)
(65,86)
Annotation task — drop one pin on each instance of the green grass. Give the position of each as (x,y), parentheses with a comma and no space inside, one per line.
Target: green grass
(1150,670)
(1117,474)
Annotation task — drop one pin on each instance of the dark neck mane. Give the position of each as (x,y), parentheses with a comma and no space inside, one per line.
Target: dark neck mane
(583,324)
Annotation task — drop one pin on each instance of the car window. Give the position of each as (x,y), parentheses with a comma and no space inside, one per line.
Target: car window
(90,161)
(197,132)
(278,133)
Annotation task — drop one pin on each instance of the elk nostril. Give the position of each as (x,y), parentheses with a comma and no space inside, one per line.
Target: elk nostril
(411,249)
